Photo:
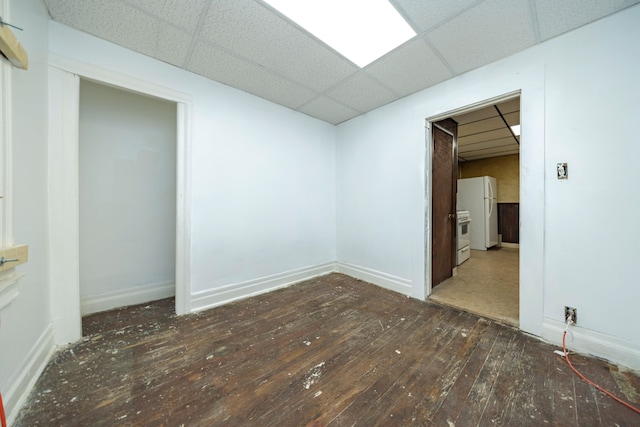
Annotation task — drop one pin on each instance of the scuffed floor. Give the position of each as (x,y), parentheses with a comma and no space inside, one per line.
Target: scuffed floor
(329,351)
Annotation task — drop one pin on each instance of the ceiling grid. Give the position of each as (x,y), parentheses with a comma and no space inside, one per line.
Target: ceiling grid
(248,45)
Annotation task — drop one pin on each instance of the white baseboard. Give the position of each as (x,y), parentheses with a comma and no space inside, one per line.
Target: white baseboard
(22,382)
(236,291)
(379,278)
(9,288)
(138,295)
(594,343)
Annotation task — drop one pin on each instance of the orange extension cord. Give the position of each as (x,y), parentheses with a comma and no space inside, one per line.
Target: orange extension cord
(566,357)
(3,418)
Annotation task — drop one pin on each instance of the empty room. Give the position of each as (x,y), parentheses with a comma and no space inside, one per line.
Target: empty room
(228,212)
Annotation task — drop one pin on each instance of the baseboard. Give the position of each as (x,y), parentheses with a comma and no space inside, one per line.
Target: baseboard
(22,382)
(379,278)
(594,343)
(510,245)
(139,295)
(9,289)
(236,291)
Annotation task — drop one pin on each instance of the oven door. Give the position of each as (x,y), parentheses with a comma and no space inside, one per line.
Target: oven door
(464,236)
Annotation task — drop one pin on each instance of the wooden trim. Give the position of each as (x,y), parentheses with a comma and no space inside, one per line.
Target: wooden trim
(509,222)
(183,211)
(211,298)
(64,151)
(21,383)
(12,49)
(64,237)
(141,294)
(615,349)
(21,253)
(378,278)
(445,130)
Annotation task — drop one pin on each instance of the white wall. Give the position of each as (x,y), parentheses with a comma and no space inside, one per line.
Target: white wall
(25,333)
(591,253)
(262,199)
(127,159)
(263,177)
(579,94)
(267,188)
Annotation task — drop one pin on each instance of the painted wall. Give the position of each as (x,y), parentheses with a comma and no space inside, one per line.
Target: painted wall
(506,171)
(127,150)
(263,189)
(571,252)
(25,333)
(272,189)
(263,177)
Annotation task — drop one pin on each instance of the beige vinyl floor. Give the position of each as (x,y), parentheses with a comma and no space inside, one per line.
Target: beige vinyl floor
(487,284)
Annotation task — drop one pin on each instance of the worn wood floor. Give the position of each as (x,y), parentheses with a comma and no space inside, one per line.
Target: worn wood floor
(330,351)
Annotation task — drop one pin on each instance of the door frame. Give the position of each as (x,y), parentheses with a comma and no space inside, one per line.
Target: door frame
(64,100)
(429,123)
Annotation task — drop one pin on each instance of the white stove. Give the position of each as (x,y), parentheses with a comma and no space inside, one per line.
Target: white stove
(463,237)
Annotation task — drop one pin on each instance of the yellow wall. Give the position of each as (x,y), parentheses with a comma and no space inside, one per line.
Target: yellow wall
(505,169)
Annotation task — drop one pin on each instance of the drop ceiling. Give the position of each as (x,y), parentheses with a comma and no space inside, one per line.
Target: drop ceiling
(248,45)
(486,132)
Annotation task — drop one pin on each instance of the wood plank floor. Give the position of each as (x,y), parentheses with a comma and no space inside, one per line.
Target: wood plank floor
(332,351)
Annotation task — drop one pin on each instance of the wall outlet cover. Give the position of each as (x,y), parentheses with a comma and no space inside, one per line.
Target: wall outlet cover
(562,170)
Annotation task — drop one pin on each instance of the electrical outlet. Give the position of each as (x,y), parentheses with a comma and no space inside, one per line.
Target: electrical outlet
(570,315)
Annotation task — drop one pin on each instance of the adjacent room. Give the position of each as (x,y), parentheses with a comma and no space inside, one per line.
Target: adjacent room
(483,277)
(217,212)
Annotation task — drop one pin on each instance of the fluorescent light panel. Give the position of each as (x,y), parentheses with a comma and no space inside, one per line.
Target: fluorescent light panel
(516,129)
(361,30)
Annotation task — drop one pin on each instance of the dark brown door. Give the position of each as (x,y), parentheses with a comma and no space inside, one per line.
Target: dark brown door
(444,181)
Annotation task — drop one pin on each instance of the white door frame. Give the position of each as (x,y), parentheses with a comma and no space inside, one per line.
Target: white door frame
(64,229)
(429,161)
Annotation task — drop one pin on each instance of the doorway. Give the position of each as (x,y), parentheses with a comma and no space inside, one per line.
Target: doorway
(488,144)
(64,95)
(127,193)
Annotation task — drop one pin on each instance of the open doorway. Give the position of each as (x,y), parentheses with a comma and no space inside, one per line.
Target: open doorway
(64,95)
(485,279)
(127,196)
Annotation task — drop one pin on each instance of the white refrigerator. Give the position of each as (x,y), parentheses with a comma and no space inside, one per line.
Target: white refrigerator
(479,197)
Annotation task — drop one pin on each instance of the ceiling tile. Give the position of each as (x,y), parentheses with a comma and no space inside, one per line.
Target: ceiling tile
(327,109)
(219,65)
(254,31)
(249,45)
(509,109)
(362,92)
(412,67)
(481,127)
(488,136)
(115,21)
(172,45)
(181,13)
(557,17)
(428,14)
(485,33)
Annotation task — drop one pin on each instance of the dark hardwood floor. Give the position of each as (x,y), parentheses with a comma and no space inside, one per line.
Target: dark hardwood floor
(160,312)
(330,351)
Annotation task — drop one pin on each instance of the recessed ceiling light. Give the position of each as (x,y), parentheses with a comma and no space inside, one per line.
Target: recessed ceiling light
(361,30)
(516,129)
